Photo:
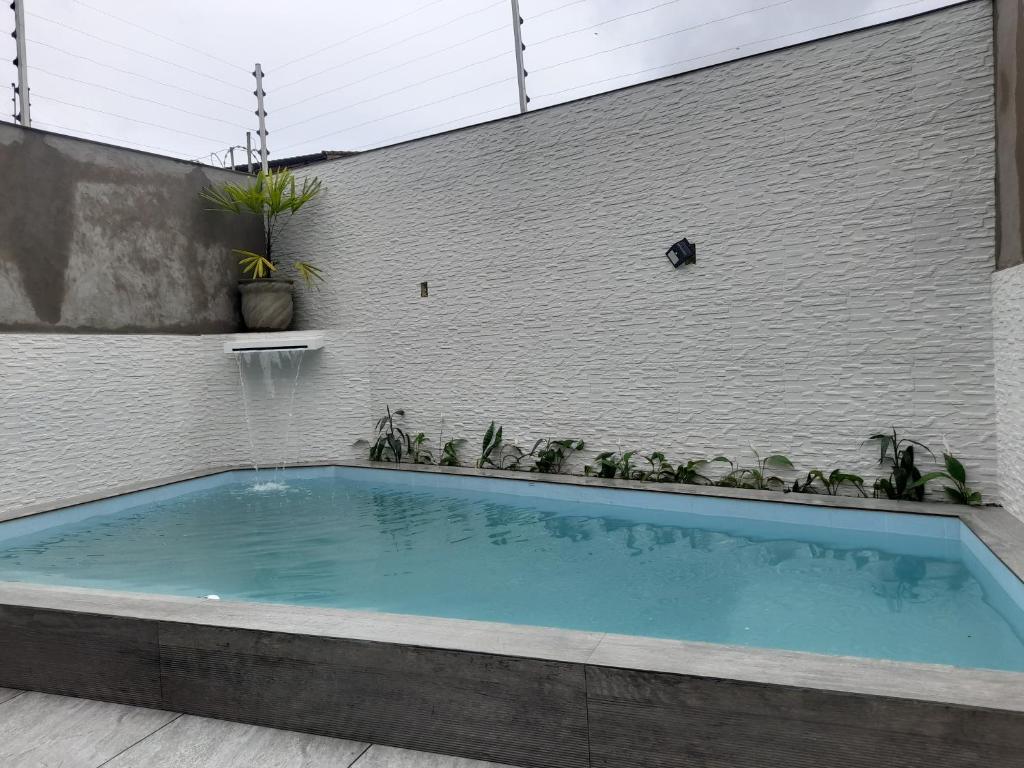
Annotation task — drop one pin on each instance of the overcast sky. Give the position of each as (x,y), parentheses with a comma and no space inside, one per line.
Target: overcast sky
(174,77)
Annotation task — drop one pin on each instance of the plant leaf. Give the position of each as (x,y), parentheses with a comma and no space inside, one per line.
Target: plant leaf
(309,273)
(955,468)
(925,479)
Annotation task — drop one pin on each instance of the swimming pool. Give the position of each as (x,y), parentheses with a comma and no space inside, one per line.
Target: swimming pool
(824,580)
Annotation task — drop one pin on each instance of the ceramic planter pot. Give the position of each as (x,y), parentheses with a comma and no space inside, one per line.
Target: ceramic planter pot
(266,304)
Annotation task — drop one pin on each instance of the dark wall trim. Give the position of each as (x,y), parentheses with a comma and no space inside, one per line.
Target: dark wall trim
(1009,74)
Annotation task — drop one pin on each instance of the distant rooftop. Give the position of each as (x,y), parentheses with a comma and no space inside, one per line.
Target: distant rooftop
(300,161)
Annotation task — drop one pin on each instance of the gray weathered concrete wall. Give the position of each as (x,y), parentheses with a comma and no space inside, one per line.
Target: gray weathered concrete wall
(95,238)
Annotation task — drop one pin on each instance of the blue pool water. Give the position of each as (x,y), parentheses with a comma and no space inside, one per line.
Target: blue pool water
(902,587)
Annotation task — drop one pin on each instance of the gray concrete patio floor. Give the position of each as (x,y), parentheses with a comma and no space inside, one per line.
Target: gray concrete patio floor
(38,730)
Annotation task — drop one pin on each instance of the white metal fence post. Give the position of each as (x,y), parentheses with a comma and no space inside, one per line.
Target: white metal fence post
(262,114)
(21,62)
(517,29)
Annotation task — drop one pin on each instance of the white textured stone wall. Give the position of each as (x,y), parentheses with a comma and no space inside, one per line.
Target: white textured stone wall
(1008,293)
(841,197)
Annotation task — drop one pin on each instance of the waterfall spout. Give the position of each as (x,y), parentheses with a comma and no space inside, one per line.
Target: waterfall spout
(269,376)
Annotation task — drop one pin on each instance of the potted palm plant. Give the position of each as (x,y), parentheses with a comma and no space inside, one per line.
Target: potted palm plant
(276,197)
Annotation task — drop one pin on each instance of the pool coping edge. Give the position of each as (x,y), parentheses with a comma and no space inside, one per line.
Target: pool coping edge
(932,683)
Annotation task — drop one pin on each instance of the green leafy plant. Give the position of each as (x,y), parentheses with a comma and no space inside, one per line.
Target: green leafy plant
(394,443)
(758,477)
(511,457)
(660,469)
(730,479)
(905,481)
(450,453)
(495,452)
(807,486)
(832,483)
(627,471)
(275,197)
(390,439)
(605,465)
(611,465)
(690,472)
(959,492)
(549,456)
(416,450)
(491,446)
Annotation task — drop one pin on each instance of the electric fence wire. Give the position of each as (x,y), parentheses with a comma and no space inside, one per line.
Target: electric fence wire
(711,54)
(122,71)
(74,131)
(347,128)
(136,51)
(400,65)
(421,131)
(221,161)
(382,25)
(649,69)
(549,11)
(424,131)
(45,97)
(665,4)
(375,97)
(160,35)
(398,43)
(690,28)
(216,159)
(503,27)
(500,55)
(173,107)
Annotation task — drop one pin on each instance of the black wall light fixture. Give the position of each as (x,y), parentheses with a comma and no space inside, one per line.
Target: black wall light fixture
(683,252)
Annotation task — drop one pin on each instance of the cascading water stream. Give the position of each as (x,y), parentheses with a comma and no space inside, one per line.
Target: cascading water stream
(248,418)
(268,361)
(291,411)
